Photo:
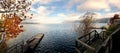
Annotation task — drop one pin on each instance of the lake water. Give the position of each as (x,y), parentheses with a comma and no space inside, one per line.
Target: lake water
(59,38)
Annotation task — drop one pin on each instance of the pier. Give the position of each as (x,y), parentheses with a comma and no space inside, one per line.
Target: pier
(25,46)
(33,42)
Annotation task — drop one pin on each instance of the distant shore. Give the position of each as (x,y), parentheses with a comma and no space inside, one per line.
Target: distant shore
(29,23)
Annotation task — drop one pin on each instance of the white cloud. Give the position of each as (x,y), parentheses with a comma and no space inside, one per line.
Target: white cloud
(116,3)
(71,3)
(62,15)
(73,16)
(43,11)
(45,1)
(107,15)
(97,5)
(32,9)
(42,1)
(94,5)
(45,19)
(42,15)
(53,7)
(69,17)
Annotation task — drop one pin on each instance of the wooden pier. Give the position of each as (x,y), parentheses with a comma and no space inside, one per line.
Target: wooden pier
(25,46)
(35,41)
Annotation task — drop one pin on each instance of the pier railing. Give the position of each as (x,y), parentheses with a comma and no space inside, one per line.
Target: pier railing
(19,47)
(86,41)
(107,46)
(23,46)
(95,42)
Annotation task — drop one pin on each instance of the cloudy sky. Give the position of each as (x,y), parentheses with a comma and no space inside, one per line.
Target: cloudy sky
(58,11)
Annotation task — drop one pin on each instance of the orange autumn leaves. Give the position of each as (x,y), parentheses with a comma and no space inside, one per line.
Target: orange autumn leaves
(13,13)
(10,24)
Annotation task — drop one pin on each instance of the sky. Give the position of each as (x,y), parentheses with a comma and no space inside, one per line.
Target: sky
(58,11)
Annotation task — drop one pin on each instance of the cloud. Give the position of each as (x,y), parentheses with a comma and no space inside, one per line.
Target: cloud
(70,16)
(44,19)
(42,1)
(94,5)
(42,15)
(62,15)
(43,11)
(97,5)
(45,1)
(115,3)
(71,3)
(107,15)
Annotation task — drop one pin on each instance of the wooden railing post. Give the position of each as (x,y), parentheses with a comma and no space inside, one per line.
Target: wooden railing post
(76,44)
(89,37)
(96,34)
(16,48)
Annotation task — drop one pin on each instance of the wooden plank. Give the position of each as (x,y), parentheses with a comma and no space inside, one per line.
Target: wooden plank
(96,44)
(86,45)
(35,42)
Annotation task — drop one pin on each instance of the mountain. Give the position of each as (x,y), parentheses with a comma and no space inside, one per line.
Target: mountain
(30,23)
(103,20)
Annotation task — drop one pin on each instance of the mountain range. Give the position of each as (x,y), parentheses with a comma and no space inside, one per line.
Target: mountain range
(103,20)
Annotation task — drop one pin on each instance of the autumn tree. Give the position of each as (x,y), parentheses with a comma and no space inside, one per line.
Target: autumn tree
(13,12)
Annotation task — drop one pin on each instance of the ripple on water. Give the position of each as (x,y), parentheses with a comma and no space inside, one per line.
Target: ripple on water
(58,42)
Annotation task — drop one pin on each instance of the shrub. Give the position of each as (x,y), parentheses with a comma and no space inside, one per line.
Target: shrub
(111,29)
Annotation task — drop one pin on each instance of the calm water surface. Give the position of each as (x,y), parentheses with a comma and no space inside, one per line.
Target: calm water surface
(59,38)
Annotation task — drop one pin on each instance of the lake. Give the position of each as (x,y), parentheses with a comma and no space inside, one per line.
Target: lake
(59,38)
